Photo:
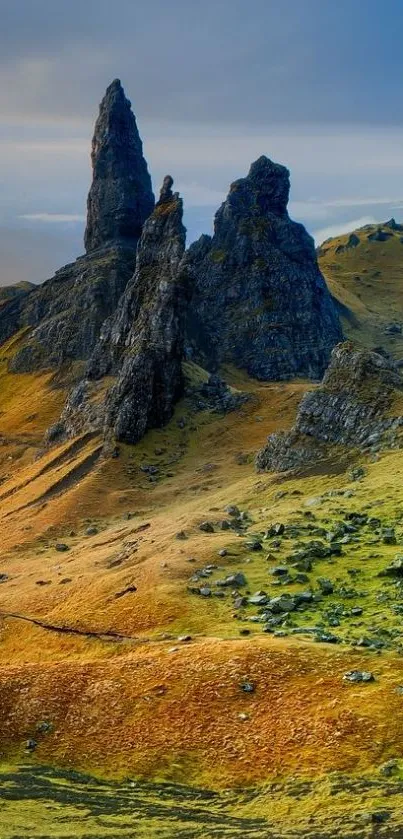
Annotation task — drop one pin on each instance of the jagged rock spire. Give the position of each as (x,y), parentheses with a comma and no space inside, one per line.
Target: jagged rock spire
(259,300)
(120,198)
(149,327)
(264,191)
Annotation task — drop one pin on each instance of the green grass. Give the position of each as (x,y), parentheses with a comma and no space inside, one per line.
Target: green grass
(67,805)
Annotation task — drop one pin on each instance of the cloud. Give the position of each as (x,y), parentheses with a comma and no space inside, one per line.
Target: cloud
(237,59)
(34,255)
(324,233)
(198,195)
(245,80)
(54,218)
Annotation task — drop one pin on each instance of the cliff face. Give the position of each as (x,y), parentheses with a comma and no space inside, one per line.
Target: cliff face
(353,407)
(150,325)
(66,313)
(120,198)
(260,301)
(142,343)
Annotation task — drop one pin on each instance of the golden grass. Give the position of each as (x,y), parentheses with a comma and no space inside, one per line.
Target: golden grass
(136,706)
(368,280)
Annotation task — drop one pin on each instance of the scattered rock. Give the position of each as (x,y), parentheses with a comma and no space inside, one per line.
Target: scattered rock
(359,676)
(91,531)
(206,527)
(247,687)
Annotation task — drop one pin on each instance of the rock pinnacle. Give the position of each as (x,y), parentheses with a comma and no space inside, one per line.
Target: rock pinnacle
(120,198)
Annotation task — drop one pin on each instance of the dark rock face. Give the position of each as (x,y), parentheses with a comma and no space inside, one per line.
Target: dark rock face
(120,198)
(352,242)
(353,407)
(142,343)
(13,300)
(215,395)
(260,301)
(150,381)
(66,313)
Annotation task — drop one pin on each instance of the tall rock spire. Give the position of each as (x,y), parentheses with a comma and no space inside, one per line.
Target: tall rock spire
(142,343)
(120,198)
(259,300)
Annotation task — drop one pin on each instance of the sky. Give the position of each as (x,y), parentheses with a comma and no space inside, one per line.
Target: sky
(315,85)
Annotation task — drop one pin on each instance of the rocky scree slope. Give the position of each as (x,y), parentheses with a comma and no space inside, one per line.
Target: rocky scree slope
(259,299)
(358,405)
(66,313)
(142,343)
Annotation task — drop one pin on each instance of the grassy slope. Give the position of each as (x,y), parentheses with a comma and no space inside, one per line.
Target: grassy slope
(144,703)
(368,281)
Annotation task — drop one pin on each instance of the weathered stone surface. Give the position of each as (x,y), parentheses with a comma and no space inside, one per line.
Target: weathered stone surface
(353,407)
(215,395)
(68,310)
(142,344)
(260,301)
(66,313)
(120,198)
(13,300)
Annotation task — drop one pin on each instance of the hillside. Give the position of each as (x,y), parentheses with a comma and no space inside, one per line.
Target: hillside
(364,272)
(112,664)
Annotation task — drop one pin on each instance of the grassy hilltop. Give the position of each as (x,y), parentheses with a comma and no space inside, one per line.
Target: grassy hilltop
(364,271)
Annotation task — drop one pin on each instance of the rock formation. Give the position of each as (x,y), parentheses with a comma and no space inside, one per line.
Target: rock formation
(120,198)
(260,301)
(142,343)
(353,407)
(13,300)
(66,313)
(150,381)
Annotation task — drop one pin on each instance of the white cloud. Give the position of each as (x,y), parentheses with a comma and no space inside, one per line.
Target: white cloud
(338,229)
(53,218)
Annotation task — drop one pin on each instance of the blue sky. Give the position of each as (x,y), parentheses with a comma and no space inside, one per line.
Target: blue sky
(314,85)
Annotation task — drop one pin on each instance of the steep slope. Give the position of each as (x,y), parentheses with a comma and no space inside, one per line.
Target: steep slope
(364,272)
(95,671)
(66,313)
(259,299)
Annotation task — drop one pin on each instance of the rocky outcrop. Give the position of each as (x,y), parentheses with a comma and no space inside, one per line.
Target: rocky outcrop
(142,345)
(66,313)
(150,381)
(260,301)
(120,198)
(353,407)
(216,396)
(13,300)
